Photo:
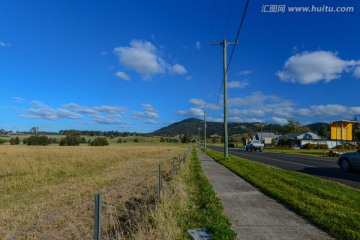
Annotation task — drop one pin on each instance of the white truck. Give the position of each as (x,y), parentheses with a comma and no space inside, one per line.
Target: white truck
(254,145)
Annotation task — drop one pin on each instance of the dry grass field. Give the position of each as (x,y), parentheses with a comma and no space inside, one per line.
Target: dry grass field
(54,187)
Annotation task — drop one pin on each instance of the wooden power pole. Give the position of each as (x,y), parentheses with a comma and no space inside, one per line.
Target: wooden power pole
(226,138)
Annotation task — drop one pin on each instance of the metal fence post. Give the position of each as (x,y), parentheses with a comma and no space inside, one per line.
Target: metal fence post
(97,217)
(159,181)
(172,168)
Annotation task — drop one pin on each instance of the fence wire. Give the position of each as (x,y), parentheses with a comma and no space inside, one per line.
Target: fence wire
(126,206)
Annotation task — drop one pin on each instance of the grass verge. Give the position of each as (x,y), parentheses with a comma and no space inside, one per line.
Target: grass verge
(188,202)
(329,205)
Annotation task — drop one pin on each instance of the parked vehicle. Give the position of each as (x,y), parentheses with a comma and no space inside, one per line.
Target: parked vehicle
(349,161)
(254,145)
(333,153)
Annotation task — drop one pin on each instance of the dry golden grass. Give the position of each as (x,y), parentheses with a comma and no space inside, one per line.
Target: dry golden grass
(37,183)
(162,221)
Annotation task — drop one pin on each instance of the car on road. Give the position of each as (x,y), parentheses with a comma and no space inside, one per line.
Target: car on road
(254,145)
(349,161)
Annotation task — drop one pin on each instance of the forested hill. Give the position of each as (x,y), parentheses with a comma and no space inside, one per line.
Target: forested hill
(191,126)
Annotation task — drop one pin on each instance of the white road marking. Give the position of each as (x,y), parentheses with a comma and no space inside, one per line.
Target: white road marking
(272,159)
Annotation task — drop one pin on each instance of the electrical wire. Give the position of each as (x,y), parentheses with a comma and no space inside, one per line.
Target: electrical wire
(232,53)
(238,34)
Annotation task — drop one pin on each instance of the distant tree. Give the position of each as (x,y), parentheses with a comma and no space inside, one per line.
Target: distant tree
(99,141)
(295,126)
(82,140)
(37,140)
(119,141)
(245,139)
(136,140)
(356,130)
(73,138)
(34,130)
(185,138)
(15,141)
(323,131)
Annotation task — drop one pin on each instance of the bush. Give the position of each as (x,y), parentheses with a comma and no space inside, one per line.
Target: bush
(37,140)
(72,139)
(136,140)
(15,141)
(321,146)
(99,141)
(2,141)
(231,145)
(309,146)
(119,141)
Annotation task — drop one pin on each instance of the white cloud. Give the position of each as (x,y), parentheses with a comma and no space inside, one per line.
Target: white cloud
(198,45)
(258,107)
(148,107)
(143,57)
(255,99)
(151,121)
(237,84)
(357,72)
(48,113)
(312,67)
(81,109)
(110,109)
(4,44)
(246,112)
(199,103)
(97,114)
(18,99)
(178,69)
(108,120)
(149,112)
(242,119)
(245,72)
(276,120)
(192,112)
(330,110)
(122,75)
(37,103)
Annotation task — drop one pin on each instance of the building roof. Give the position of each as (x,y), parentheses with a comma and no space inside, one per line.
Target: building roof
(262,135)
(300,136)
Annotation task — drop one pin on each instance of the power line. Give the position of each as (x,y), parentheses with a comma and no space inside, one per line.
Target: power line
(238,33)
(232,51)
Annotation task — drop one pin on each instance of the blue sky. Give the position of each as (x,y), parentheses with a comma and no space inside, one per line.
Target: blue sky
(142,65)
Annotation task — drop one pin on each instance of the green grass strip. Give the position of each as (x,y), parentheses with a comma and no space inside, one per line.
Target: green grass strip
(331,206)
(207,211)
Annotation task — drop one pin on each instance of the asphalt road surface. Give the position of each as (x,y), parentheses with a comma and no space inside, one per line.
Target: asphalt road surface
(323,167)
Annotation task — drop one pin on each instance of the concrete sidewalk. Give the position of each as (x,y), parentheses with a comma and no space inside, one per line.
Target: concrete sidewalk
(254,215)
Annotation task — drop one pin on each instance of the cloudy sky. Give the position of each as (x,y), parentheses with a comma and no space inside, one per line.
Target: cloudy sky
(142,65)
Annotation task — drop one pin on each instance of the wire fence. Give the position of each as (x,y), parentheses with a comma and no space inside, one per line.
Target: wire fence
(112,214)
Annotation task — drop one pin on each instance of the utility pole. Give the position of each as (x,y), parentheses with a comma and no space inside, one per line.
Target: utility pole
(226,139)
(204,130)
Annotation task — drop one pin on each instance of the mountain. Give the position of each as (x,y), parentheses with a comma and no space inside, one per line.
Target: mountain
(191,126)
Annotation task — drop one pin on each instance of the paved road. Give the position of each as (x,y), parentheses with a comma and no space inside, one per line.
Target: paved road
(317,166)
